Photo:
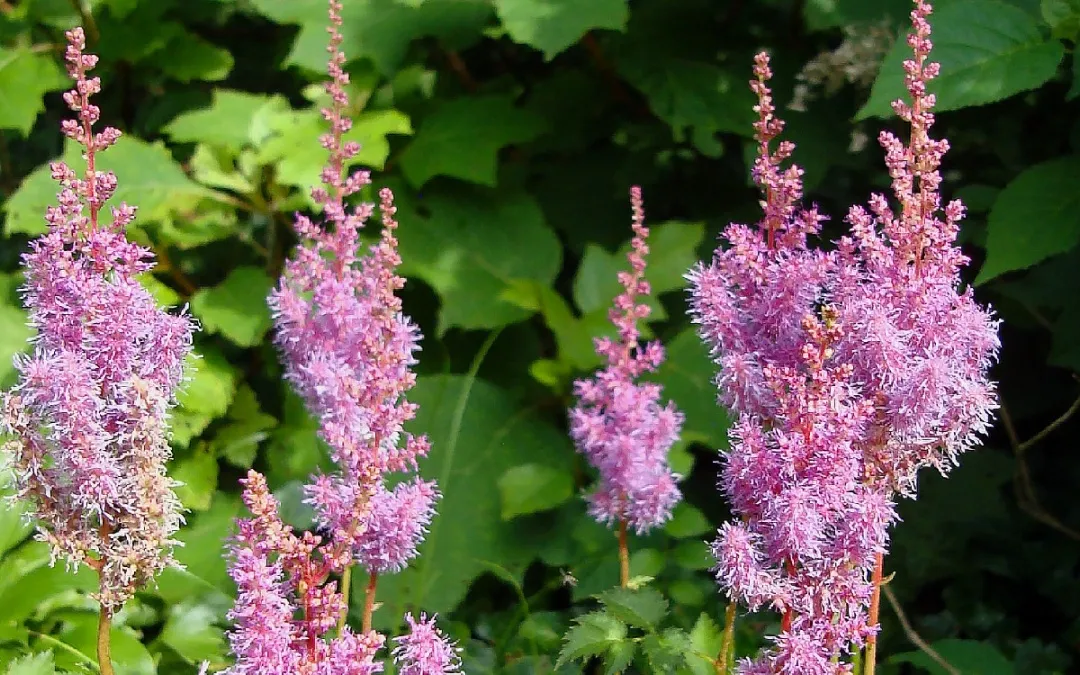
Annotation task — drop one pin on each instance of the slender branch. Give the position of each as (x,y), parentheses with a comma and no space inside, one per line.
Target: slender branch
(457,64)
(369,602)
(1026,445)
(1026,497)
(624,556)
(875,604)
(914,637)
(165,264)
(729,640)
(86,17)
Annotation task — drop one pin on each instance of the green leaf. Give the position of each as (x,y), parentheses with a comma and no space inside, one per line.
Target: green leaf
(970,657)
(988,51)
(205,537)
(14,339)
(594,634)
(666,651)
(199,476)
(25,76)
(644,608)
(33,664)
(236,307)
(128,654)
(687,521)
(187,57)
(466,252)
(1063,17)
(694,98)
(191,630)
(706,639)
(672,251)
(147,177)
(530,488)
(618,657)
(239,440)
(685,375)
(204,397)
(462,139)
(477,433)
(227,122)
(14,526)
(380,30)
(1036,216)
(292,142)
(554,25)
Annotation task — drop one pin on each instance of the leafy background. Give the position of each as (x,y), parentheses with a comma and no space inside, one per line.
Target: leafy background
(511,131)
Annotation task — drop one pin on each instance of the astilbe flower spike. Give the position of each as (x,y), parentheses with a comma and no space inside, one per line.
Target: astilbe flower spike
(348,351)
(849,370)
(89,414)
(619,423)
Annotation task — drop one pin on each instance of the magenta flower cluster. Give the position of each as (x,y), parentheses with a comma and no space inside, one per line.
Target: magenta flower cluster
(849,369)
(89,414)
(619,423)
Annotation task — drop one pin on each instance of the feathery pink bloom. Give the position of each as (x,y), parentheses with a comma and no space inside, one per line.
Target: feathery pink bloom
(425,650)
(89,413)
(619,423)
(849,370)
(346,346)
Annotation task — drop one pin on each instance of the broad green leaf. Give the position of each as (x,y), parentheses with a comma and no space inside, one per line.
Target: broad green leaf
(644,608)
(25,76)
(292,144)
(198,475)
(147,178)
(205,395)
(192,631)
(462,139)
(14,527)
(554,25)
(380,30)
(970,657)
(825,14)
(1036,216)
(594,634)
(33,664)
(988,51)
(249,426)
(225,122)
(666,651)
(687,521)
(163,295)
(205,539)
(672,251)
(477,433)
(694,98)
(686,375)
(187,57)
(1063,17)
(530,488)
(706,640)
(14,336)
(37,583)
(128,654)
(236,307)
(472,248)
(618,657)
(693,554)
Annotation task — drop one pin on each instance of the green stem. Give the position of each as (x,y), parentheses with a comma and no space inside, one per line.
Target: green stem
(728,644)
(346,582)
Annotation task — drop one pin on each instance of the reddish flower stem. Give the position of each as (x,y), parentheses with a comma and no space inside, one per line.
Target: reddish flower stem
(369,601)
(875,604)
(624,556)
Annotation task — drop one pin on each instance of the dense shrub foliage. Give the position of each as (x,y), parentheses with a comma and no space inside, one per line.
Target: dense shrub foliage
(510,132)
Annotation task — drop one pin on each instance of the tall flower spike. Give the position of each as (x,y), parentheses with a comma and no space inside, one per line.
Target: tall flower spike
(348,349)
(89,414)
(618,422)
(849,371)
